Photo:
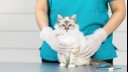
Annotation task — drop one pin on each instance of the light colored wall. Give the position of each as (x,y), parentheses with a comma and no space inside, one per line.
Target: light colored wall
(19,34)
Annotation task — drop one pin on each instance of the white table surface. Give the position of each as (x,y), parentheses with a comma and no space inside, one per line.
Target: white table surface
(49,67)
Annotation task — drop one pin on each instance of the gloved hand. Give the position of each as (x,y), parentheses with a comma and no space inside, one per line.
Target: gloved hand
(93,43)
(48,35)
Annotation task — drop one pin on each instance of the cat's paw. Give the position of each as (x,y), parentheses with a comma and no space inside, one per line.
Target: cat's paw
(62,64)
(71,65)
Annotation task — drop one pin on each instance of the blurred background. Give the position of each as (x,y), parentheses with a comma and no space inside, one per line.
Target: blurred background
(19,34)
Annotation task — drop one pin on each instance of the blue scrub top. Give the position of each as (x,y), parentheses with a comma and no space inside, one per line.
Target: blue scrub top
(91,15)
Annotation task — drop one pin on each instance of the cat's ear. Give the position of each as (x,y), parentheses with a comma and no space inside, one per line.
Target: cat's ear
(74,17)
(59,17)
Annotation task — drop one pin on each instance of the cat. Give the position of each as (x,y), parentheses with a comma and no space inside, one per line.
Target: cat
(67,31)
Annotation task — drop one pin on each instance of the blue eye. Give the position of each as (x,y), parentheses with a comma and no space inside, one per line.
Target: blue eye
(63,25)
(70,25)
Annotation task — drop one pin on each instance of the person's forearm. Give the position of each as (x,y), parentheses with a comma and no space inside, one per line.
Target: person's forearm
(42,19)
(41,13)
(115,20)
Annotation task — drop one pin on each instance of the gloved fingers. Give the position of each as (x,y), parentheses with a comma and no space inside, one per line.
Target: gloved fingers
(86,47)
(87,55)
(84,52)
(91,53)
(90,50)
(83,49)
(90,47)
(93,47)
(94,50)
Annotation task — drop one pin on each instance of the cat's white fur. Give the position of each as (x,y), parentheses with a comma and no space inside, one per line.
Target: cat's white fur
(72,36)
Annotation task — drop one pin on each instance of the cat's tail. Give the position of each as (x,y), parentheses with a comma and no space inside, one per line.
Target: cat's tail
(98,62)
(89,61)
(83,61)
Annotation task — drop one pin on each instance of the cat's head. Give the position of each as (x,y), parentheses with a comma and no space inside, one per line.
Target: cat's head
(67,23)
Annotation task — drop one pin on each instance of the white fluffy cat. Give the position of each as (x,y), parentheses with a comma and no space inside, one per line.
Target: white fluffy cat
(68,33)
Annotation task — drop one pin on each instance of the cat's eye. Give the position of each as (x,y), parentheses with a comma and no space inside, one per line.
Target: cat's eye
(63,25)
(70,25)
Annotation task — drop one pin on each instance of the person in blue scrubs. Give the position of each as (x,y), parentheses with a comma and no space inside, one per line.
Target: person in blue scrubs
(94,22)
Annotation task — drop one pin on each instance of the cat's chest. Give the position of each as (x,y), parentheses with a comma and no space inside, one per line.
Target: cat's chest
(68,38)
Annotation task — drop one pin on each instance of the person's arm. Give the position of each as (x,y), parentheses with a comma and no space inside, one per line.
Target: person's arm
(118,14)
(42,13)
(46,33)
(96,39)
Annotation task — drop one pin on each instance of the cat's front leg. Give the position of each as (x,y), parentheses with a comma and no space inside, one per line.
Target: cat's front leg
(73,57)
(62,59)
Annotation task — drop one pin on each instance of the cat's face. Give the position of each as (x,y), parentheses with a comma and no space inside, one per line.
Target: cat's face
(66,23)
